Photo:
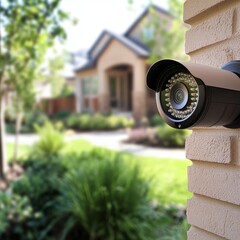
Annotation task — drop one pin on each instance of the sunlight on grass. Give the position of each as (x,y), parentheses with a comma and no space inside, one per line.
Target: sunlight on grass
(77,146)
(169,178)
(23,151)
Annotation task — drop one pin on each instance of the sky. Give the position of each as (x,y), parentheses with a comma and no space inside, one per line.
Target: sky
(96,15)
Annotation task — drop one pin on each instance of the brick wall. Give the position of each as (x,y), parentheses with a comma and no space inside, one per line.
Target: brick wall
(214,177)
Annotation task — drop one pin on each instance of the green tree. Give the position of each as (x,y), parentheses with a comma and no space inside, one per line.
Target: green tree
(54,75)
(28,28)
(167,33)
(24,95)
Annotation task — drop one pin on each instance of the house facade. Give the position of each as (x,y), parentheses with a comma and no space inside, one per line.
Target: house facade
(114,77)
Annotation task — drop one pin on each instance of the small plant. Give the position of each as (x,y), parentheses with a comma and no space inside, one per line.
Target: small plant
(106,200)
(51,140)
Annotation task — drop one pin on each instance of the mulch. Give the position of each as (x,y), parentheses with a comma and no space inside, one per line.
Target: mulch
(14,172)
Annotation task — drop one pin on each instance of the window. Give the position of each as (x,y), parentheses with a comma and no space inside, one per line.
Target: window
(90,86)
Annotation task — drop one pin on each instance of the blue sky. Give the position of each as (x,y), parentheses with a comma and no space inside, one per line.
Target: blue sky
(96,15)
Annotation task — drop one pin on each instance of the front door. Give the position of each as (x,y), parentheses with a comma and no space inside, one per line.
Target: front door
(120,92)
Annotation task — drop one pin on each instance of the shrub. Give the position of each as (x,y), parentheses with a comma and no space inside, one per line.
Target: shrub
(51,141)
(72,121)
(9,116)
(104,200)
(61,115)
(171,137)
(10,127)
(33,118)
(156,121)
(17,217)
(40,186)
(97,122)
(115,122)
(29,121)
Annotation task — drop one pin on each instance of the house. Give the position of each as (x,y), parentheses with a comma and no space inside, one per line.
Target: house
(113,78)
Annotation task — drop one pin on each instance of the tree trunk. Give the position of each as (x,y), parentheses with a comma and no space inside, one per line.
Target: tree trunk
(17,132)
(3,161)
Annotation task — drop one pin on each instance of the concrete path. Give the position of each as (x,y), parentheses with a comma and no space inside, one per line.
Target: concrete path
(111,140)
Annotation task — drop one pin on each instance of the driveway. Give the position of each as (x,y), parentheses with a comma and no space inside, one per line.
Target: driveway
(111,140)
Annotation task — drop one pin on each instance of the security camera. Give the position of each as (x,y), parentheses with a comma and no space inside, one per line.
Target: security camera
(193,95)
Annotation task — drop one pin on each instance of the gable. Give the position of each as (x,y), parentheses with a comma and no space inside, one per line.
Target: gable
(116,54)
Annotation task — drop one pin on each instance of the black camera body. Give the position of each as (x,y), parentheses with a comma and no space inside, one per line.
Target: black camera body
(194,95)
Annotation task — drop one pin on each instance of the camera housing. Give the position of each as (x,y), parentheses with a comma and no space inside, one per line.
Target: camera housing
(194,95)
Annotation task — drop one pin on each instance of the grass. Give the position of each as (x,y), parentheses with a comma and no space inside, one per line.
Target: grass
(77,146)
(169,178)
(169,175)
(22,151)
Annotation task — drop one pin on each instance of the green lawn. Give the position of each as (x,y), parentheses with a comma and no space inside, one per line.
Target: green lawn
(169,176)
(78,146)
(22,151)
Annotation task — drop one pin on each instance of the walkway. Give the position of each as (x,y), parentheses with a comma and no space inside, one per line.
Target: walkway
(111,140)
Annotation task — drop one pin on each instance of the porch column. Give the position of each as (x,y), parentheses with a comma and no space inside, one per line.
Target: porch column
(214,177)
(78,94)
(139,94)
(104,96)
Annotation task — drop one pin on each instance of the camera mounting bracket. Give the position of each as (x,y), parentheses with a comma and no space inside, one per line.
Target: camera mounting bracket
(233,66)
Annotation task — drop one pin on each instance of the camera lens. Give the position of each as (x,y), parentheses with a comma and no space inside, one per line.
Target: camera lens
(179,96)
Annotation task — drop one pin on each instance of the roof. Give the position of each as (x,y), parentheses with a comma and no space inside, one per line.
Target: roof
(106,37)
(138,50)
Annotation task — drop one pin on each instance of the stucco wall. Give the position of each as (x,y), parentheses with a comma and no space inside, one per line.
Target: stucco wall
(214,177)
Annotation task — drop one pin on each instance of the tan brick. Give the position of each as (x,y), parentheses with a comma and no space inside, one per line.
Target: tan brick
(211,31)
(209,148)
(216,56)
(193,8)
(215,181)
(236,29)
(214,216)
(198,234)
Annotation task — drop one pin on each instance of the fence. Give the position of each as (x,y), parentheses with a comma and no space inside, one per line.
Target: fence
(54,105)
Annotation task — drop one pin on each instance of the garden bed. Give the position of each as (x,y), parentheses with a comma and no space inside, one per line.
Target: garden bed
(41,187)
